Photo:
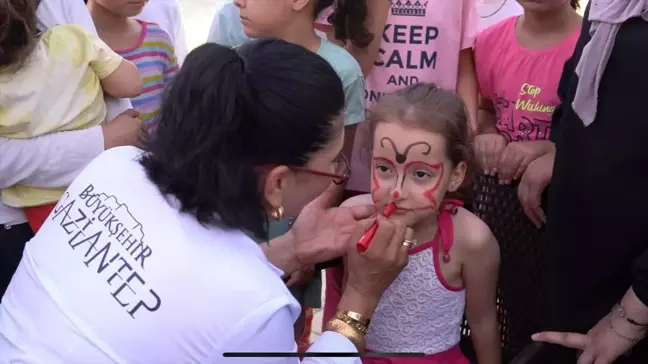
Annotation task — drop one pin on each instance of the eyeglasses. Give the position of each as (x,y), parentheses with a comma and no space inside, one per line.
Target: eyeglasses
(340,176)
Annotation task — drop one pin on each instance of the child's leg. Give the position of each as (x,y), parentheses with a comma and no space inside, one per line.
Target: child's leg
(13,239)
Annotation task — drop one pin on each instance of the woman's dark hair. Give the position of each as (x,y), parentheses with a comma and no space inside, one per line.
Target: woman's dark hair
(574,4)
(428,107)
(229,113)
(348,19)
(18,32)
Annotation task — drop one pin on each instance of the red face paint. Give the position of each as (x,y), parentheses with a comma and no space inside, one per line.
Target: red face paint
(375,178)
(429,194)
(395,195)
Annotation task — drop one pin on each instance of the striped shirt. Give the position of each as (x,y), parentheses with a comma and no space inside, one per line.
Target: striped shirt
(155,58)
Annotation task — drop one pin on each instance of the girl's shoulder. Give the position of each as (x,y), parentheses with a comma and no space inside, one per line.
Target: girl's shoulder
(67,33)
(472,234)
(344,64)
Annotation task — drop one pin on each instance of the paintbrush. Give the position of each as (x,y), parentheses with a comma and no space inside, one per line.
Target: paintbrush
(369,234)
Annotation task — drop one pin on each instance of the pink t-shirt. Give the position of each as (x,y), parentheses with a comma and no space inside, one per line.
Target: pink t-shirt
(421,43)
(522,83)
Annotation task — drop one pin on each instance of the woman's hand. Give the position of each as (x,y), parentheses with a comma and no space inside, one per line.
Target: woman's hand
(534,181)
(613,336)
(601,345)
(125,129)
(488,148)
(321,233)
(370,273)
(301,276)
(517,156)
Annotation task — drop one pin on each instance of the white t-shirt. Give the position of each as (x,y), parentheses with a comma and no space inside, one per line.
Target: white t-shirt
(118,274)
(494,11)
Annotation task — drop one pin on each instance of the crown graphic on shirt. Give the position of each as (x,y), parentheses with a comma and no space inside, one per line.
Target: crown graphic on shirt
(408,7)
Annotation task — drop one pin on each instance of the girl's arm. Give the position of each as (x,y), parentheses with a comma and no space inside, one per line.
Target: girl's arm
(481,258)
(125,81)
(467,86)
(486,118)
(377,10)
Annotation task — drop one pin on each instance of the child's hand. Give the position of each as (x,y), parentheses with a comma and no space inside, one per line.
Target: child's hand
(488,148)
(517,156)
(125,129)
(534,181)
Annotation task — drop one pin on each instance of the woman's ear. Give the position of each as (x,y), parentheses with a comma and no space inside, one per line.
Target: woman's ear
(457,176)
(275,185)
(299,5)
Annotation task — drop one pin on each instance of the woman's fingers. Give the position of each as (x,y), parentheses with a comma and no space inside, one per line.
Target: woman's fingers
(381,239)
(396,242)
(361,212)
(587,357)
(567,339)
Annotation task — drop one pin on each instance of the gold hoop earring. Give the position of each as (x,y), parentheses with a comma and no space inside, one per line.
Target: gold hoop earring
(277,213)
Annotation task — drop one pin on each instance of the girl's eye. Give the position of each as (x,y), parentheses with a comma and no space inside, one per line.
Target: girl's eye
(383,169)
(422,174)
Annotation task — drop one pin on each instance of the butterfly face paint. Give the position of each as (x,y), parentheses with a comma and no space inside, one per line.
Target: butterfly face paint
(409,168)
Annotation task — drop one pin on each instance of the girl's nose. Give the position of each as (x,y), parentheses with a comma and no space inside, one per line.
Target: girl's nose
(396,194)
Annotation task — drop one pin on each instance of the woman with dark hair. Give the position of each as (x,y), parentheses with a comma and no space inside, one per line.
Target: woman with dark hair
(146,258)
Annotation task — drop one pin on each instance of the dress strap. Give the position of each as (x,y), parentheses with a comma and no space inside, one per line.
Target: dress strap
(446,228)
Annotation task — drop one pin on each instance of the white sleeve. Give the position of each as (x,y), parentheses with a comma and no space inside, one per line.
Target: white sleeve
(179,38)
(50,161)
(56,12)
(271,330)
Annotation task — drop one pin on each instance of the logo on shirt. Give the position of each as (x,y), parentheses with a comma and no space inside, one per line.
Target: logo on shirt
(110,242)
(409,7)
(526,118)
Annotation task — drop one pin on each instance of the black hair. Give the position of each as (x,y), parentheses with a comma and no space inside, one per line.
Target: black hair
(575,4)
(18,32)
(348,19)
(229,113)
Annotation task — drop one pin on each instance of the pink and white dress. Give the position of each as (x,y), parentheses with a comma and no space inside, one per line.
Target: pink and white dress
(421,312)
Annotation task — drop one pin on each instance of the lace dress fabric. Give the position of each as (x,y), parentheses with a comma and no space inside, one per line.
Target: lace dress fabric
(418,313)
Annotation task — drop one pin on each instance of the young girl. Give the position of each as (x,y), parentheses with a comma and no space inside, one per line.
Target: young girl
(426,41)
(413,42)
(145,44)
(421,150)
(52,82)
(519,63)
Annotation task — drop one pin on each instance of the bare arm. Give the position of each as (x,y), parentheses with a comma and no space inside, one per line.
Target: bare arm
(125,81)
(376,20)
(349,138)
(467,86)
(486,119)
(480,270)
(281,253)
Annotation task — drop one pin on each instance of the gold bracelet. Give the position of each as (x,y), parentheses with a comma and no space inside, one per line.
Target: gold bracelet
(351,322)
(356,316)
(354,335)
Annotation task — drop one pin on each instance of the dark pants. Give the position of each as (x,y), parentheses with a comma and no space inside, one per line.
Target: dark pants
(12,243)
